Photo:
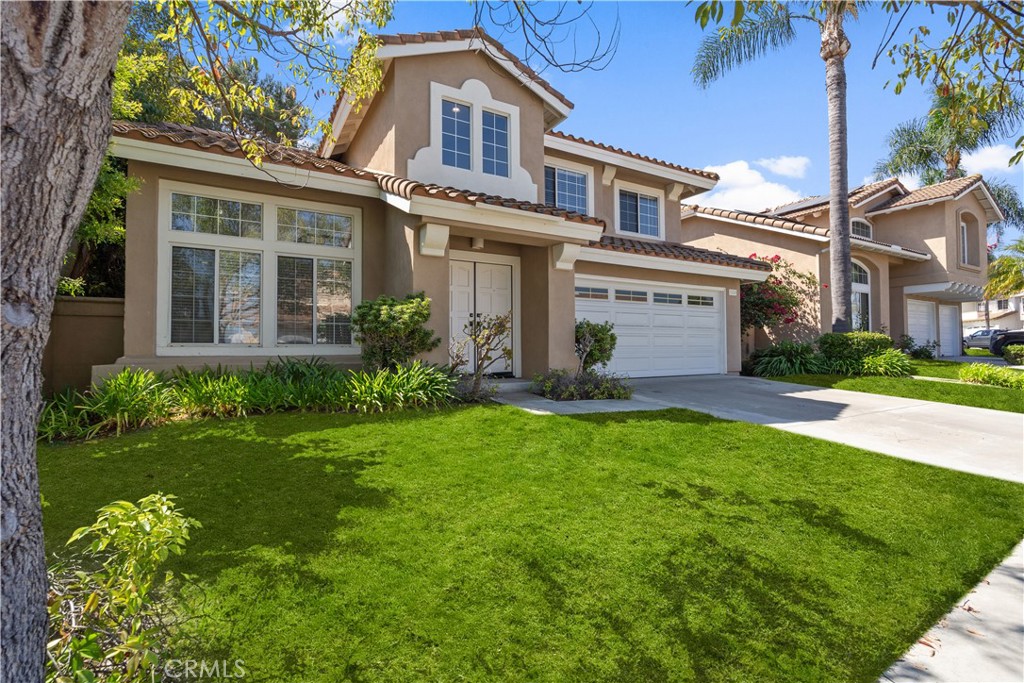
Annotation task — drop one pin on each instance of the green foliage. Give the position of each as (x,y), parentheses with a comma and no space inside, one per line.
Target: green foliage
(843,366)
(595,344)
(755,30)
(994,375)
(788,358)
(393,331)
(909,345)
(564,385)
(785,298)
(103,220)
(111,623)
(1006,272)
(887,363)
(1014,354)
(137,398)
(852,346)
(71,286)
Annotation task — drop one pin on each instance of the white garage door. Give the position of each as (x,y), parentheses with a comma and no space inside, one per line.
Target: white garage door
(921,321)
(660,330)
(951,343)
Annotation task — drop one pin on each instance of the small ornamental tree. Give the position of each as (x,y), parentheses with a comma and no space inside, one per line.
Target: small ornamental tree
(787,298)
(393,331)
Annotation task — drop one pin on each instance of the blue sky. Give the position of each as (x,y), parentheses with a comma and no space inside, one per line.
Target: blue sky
(763,127)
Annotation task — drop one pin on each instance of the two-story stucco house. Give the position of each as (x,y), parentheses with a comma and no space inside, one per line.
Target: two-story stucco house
(450,181)
(917,255)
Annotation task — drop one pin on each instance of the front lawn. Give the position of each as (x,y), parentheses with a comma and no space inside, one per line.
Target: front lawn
(485,543)
(947,369)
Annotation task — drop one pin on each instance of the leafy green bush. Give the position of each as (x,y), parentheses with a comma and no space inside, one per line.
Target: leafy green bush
(852,346)
(843,366)
(998,376)
(1014,354)
(887,363)
(393,331)
(211,393)
(63,418)
(128,400)
(109,605)
(416,385)
(788,358)
(917,351)
(565,385)
(595,344)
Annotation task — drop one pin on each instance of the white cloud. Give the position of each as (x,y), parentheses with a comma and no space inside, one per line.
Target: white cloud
(742,187)
(791,167)
(991,159)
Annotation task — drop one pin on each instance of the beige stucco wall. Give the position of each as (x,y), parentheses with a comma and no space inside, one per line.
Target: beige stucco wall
(397,123)
(83,332)
(732,301)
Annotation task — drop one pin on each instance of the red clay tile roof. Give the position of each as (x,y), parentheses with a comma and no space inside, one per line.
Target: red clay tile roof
(220,142)
(633,155)
(945,190)
(677,251)
(478,34)
(784,224)
(811,204)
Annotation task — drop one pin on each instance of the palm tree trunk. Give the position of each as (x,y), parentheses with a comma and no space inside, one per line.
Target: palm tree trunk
(834,47)
(57,67)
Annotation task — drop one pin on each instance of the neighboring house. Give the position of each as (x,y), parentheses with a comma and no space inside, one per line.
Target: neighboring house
(917,255)
(231,264)
(1007,314)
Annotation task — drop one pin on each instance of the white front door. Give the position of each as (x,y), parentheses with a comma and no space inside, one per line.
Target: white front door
(921,321)
(950,341)
(479,290)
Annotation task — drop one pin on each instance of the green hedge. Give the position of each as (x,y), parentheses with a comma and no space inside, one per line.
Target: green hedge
(852,346)
(137,398)
(994,375)
(1014,354)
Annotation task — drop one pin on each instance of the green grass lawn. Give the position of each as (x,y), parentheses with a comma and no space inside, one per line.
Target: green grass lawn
(979,352)
(487,544)
(976,395)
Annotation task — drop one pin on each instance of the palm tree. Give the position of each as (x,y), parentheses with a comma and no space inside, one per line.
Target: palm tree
(1006,272)
(771,26)
(933,147)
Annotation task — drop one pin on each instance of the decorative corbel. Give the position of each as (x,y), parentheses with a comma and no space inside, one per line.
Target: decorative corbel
(564,255)
(433,239)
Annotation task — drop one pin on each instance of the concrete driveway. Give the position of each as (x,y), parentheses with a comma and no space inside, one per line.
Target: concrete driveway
(986,442)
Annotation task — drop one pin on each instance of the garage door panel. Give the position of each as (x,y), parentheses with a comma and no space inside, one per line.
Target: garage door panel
(660,338)
(921,321)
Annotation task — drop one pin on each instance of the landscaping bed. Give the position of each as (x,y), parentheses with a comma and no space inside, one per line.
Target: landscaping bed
(484,543)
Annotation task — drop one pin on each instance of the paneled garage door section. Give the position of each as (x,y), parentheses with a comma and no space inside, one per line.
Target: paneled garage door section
(921,321)
(661,330)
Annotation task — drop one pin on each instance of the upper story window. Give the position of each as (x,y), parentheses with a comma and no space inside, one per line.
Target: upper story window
(1003,305)
(860,228)
(456,136)
(970,241)
(566,189)
(639,213)
(495,135)
(211,216)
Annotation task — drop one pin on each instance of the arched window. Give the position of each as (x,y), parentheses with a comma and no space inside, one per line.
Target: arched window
(860,314)
(860,228)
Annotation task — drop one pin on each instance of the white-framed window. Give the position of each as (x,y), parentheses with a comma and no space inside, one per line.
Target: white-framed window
(631,295)
(860,228)
(700,300)
(474,142)
(1003,305)
(639,210)
(247,274)
(668,298)
(970,238)
(495,135)
(860,315)
(456,134)
(600,293)
(568,185)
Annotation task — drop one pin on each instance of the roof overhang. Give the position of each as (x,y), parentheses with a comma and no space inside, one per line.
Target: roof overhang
(348,116)
(993,214)
(212,162)
(673,265)
(947,291)
(769,228)
(890,249)
(551,229)
(896,187)
(694,181)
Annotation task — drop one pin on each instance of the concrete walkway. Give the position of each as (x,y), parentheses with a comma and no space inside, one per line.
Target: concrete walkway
(976,440)
(982,639)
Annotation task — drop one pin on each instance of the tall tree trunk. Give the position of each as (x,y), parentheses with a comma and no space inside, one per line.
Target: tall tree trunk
(57,67)
(834,47)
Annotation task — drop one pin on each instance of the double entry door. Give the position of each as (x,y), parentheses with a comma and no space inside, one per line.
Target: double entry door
(479,290)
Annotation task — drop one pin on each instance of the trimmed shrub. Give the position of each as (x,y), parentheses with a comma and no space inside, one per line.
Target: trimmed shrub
(564,385)
(1014,354)
(852,346)
(788,358)
(917,351)
(595,344)
(887,363)
(128,400)
(994,375)
(393,331)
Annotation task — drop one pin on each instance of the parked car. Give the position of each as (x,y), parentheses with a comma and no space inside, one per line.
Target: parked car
(979,339)
(1005,339)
